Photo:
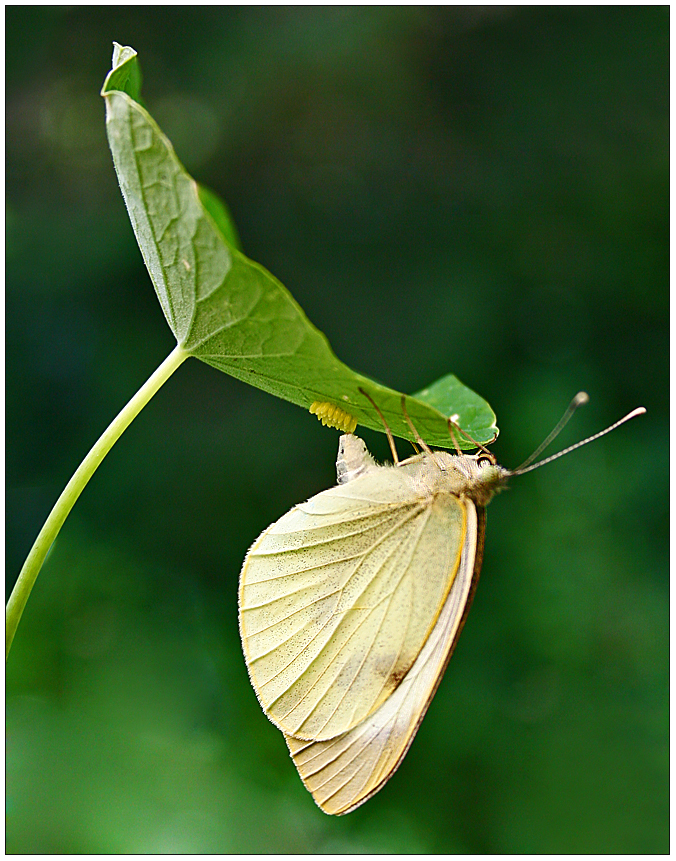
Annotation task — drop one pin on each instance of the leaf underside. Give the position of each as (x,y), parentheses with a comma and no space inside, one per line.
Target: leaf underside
(229,311)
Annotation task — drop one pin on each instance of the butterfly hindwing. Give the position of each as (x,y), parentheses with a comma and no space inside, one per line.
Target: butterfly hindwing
(338,597)
(344,772)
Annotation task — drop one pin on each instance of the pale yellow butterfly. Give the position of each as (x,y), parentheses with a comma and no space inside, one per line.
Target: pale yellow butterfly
(350,606)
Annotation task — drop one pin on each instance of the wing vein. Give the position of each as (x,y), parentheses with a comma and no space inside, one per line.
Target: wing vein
(340,652)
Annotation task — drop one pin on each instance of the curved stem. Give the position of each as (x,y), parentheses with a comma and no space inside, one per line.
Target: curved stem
(76,485)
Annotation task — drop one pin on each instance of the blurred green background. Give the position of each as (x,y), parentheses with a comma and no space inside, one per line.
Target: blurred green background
(480,190)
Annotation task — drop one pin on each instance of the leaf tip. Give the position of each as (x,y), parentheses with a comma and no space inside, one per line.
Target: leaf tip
(125,73)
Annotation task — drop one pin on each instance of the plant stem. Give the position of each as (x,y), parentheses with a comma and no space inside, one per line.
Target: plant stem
(31,568)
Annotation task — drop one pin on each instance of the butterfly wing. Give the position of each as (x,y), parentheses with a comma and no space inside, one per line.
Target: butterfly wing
(338,597)
(344,772)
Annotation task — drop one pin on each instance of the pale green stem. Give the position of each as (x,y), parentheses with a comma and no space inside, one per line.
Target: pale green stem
(76,485)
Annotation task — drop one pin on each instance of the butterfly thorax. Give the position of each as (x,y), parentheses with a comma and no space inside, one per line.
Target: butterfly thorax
(473,476)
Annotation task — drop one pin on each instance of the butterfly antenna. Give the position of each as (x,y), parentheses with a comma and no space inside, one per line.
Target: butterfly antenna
(390,438)
(579,399)
(637,412)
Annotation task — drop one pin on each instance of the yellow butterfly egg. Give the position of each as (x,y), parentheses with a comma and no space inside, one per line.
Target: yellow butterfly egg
(334,416)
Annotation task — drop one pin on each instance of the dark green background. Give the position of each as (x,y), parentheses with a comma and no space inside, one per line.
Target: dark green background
(479,190)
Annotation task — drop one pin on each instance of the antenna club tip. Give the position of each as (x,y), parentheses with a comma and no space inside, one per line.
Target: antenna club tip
(639,411)
(580,399)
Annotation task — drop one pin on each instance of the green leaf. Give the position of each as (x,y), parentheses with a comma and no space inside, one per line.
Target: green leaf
(220,214)
(447,392)
(125,75)
(232,313)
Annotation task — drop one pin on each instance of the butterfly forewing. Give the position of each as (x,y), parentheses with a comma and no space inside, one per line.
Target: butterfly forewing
(338,597)
(343,772)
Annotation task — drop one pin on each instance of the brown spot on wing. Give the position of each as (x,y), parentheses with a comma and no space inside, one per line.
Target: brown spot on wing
(397,676)
(393,671)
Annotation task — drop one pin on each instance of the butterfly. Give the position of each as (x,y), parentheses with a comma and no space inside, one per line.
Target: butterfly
(350,606)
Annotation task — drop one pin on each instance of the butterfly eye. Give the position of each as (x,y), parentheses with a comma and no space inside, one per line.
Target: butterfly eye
(484,461)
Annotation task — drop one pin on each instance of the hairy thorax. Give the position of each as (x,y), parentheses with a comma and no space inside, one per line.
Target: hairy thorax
(473,476)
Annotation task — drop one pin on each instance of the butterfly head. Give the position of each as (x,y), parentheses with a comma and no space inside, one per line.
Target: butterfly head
(483,476)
